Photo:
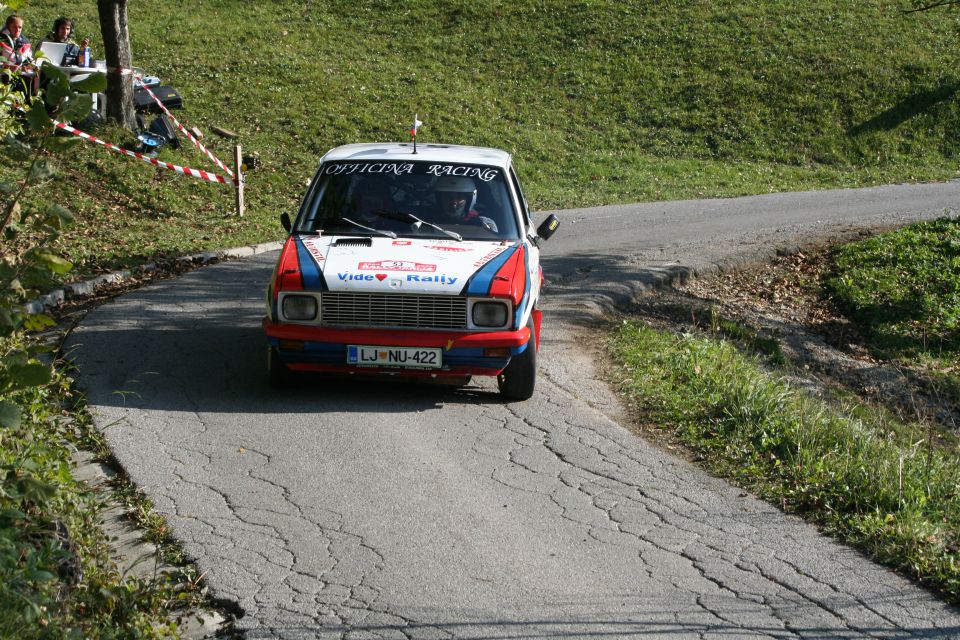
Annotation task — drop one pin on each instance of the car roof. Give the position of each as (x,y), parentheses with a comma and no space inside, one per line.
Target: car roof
(427,152)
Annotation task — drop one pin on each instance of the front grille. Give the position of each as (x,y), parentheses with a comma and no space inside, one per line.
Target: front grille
(339,309)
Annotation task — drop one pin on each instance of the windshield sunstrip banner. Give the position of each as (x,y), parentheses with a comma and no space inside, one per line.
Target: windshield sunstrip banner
(411,168)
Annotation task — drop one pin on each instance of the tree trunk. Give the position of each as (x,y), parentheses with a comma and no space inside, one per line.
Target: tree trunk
(116,45)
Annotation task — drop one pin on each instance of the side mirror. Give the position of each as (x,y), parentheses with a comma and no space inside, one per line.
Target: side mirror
(285,222)
(548,227)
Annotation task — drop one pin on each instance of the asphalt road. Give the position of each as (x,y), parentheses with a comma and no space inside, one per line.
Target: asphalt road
(379,510)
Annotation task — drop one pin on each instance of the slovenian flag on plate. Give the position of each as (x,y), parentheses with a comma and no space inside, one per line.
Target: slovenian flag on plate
(416,125)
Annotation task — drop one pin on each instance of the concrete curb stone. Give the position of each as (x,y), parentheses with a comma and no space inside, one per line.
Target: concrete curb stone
(133,555)
(57,297)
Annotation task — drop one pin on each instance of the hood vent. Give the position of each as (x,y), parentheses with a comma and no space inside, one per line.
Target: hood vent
(353,242)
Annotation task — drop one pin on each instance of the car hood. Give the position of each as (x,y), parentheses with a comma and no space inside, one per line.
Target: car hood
(402,265)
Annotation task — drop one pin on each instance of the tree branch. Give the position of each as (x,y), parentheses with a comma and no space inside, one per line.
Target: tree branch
(940,3)
(11,209)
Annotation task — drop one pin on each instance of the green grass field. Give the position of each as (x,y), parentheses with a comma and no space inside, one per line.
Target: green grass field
(600,102)
(902,292)
(902,289)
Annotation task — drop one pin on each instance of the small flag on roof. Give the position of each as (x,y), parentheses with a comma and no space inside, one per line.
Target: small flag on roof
(413,132)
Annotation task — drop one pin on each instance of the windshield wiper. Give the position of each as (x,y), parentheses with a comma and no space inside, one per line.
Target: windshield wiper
(403,216)
(389,234)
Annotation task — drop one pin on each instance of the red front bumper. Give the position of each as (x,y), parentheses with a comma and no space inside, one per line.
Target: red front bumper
(313,348)
(397,338)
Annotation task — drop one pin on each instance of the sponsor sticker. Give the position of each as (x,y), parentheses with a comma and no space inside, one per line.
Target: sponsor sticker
(314,250)
(348,168)
(368,277)
(450,249)
(397,265)
(438,279)
(395,283)
(490,256)
(484,173)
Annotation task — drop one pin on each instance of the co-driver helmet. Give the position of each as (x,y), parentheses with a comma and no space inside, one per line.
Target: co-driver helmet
(458,185)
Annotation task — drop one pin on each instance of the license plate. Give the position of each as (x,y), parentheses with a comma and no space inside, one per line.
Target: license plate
(407,357)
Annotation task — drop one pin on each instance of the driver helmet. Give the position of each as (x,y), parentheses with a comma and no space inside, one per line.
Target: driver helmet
(457,195)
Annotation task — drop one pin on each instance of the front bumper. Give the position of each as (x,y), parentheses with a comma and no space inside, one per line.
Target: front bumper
(312,348)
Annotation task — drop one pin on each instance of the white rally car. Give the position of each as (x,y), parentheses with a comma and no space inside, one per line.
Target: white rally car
(411,261)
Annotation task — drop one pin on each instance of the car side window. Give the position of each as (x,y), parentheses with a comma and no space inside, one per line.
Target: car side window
(523,200)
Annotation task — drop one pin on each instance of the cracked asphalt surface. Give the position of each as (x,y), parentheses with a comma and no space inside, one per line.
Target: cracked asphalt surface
(370,509)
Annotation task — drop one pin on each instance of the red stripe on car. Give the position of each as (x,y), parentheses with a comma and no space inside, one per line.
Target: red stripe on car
(288,269)
(511,279)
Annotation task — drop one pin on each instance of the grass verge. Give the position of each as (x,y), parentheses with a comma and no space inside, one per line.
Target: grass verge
(902,291)
(56,576)
(886,486)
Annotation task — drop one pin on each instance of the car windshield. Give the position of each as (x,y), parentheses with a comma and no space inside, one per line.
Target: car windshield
(409,199)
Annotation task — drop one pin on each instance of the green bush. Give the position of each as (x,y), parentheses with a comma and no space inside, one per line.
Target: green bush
(56,580)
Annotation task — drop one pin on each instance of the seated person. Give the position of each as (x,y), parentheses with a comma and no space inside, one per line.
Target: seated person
(15,52)
(457,197)
(14,46)
(62,30)
(370,196)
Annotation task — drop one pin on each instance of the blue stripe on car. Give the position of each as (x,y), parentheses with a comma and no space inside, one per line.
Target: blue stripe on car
(309,271)
(479,283)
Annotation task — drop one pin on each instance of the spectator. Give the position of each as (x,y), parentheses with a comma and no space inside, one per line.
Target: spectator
(62,32)
(14,46)
(16,55)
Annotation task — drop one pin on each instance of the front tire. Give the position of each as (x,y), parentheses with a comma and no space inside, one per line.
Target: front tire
(277,373)
(518,380)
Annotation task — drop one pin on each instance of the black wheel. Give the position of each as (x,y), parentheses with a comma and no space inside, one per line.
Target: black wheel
(277,372)
(520,377)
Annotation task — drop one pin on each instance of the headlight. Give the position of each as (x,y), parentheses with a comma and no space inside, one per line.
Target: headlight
(299,307)
(490,314)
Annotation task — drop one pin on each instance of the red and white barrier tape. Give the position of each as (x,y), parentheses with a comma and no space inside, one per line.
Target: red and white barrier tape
(192,172)
(180,127)
(195,173)
(184,131)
